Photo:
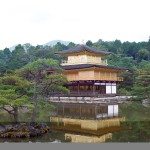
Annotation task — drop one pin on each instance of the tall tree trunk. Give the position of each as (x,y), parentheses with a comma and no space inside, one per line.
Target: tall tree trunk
(16,119)
(33,116)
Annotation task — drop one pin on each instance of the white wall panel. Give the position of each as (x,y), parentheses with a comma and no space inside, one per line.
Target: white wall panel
(115,110)
(108,89)
(103,83)
(110,110)
(113,83)
(113,89)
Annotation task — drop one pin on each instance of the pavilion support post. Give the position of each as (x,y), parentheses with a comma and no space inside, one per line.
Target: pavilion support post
(99,89)
(93,89)
(95,112)
(63,110)
(78,89)
(113,111)
(102,112)
(80,111)
(107,111)
(57,110)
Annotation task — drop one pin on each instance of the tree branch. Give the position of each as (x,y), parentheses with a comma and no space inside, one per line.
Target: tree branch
(9,111)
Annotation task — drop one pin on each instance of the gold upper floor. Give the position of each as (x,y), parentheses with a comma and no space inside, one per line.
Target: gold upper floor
(93,74)
(84,58)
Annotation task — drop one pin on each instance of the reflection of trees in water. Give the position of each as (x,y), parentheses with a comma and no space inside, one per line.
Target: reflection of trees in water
(132,130)
(137,123)
(135,131)
(53,136)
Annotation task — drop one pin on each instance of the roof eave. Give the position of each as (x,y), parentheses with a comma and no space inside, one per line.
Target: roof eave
(71,52)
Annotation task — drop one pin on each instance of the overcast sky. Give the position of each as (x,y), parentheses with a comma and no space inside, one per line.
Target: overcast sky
(40,21)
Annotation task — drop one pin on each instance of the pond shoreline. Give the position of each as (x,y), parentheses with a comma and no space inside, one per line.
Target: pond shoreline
(22,130)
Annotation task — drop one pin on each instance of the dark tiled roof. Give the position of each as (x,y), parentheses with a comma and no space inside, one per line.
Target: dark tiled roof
(80,48)
(82,66)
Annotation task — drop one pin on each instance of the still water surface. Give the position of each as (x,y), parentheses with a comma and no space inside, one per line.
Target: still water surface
(134,135)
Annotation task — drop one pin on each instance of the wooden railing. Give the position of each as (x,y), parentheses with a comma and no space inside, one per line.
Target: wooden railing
(64,63)
(82,94)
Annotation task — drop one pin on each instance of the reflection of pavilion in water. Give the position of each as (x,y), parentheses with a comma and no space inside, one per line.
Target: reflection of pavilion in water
(78,138)
(86,122)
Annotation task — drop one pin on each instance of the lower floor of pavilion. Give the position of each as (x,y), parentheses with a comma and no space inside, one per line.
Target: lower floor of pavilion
(92,88)
(85,110)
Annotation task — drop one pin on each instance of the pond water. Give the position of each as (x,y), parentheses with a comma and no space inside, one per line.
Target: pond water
(138,132)
(54,137)
(136,128)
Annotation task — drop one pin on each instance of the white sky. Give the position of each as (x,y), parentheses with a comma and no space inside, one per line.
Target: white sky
(40,21)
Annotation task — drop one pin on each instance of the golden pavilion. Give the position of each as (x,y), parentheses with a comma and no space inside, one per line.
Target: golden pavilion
(88,72)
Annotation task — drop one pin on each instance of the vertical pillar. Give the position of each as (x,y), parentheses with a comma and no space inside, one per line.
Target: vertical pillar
(78,88)
(95,112)
(84,91)
(57,110)
(93,89)
(113,110)
(63,110)
(102,111)
(111,87)
(107,111)
(80,111)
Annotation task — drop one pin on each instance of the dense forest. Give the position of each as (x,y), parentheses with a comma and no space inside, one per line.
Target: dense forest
(125,54)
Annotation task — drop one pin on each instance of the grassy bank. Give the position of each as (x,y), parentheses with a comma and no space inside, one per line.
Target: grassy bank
(43,116)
